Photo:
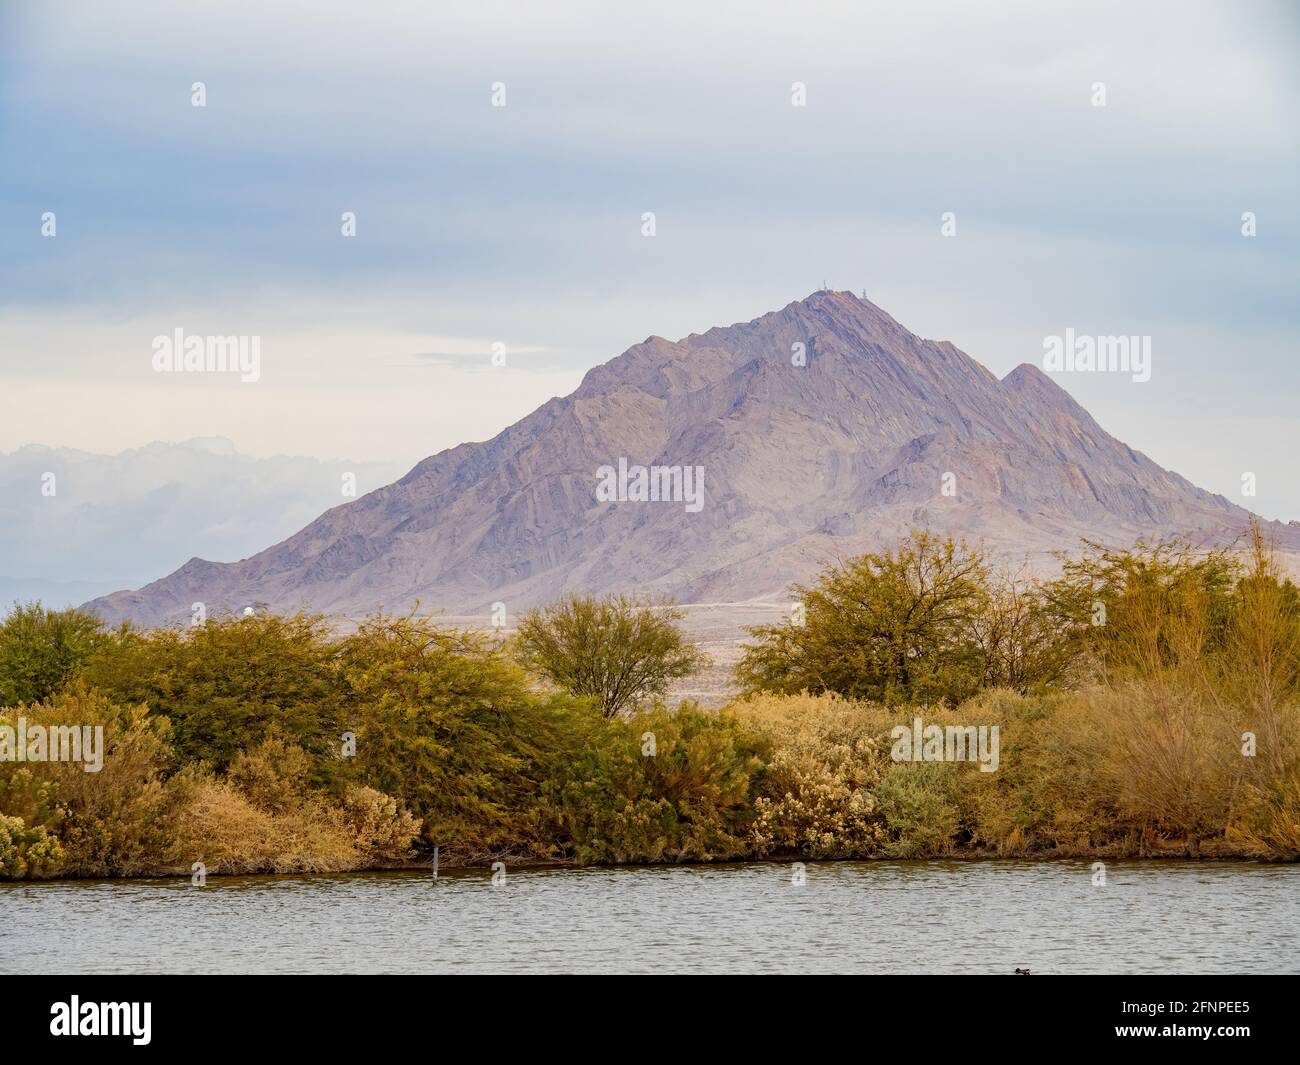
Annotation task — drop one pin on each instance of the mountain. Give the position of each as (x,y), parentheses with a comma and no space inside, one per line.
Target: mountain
(801,463)
(75,524)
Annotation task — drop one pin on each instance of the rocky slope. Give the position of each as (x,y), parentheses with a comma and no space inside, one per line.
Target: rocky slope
(801,464)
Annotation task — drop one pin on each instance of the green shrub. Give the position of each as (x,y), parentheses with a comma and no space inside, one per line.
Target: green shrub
(225,684)
(919,804)
(41,650)
(663,786)
(449,726)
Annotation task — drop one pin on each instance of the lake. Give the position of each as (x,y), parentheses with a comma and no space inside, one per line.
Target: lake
(868,917)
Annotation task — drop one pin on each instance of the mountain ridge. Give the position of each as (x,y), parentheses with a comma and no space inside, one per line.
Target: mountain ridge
(801,463)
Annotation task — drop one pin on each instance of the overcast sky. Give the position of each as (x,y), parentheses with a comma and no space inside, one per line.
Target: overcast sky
(522,224)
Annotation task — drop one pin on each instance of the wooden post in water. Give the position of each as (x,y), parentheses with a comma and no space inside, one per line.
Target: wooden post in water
(435,863)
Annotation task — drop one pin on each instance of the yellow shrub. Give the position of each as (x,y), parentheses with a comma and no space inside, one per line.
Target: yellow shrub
(381,830)
(222,829)
(116,821)
(817,797)
(27,852)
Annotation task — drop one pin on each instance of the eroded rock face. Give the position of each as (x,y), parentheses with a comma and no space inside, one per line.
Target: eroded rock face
(879,432)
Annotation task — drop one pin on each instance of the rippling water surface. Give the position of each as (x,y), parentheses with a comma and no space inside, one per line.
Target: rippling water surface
(890,917)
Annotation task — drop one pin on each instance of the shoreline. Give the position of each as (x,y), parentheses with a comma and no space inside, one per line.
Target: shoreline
(532,864)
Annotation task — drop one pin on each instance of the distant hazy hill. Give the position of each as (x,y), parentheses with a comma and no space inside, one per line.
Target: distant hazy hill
(123,519)
(801,463)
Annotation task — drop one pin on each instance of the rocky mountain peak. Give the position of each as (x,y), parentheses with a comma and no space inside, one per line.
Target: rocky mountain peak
(819,430)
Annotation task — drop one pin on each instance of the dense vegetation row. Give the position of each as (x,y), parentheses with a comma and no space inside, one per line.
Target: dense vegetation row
(1148,701)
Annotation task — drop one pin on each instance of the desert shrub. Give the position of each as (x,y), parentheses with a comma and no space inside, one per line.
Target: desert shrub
(1257,682)
(1047,793)
(225,684)
(27,851)
(1123,607)
(1266,819)
(264,816)
(41,650)
(134,818)
(1257,689)
(273,775)
(115,821)
(28,791)
(817,796)
(920,808)
(1167,759)
(663,786)
(220,827)
(1202,664)
(449,726)
(381,830)
(621,651)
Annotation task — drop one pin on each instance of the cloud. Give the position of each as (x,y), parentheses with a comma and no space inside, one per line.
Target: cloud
(125,518)
(521,224)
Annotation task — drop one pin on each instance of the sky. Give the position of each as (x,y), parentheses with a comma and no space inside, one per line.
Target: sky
(521,225)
